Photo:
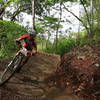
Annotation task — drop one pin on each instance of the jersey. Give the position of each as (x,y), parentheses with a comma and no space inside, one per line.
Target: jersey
(30,43)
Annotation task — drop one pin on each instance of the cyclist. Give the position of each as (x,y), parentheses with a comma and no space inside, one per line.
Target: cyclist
(30,45)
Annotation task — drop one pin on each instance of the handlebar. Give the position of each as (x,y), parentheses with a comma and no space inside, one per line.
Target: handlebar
(18,43)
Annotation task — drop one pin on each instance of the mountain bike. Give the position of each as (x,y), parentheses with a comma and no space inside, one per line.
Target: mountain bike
(13,65)
(37,88)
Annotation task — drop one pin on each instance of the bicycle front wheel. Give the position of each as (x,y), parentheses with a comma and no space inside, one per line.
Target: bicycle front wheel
(10,69)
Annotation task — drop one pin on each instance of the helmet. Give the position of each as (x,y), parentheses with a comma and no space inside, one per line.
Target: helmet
(31,32)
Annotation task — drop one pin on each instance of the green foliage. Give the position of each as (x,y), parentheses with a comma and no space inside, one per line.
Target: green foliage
(39,27)
(64,46)
(49,22)
(26,5)
(1,1)
(50,49)
(51,2)
(85,2)
(8,33)
(7,2)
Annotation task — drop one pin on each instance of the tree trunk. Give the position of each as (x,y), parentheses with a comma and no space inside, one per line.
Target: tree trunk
(98,11)
(33,14)
(47,42)
(79,18)
(91,18)
(42,42)
(58,28)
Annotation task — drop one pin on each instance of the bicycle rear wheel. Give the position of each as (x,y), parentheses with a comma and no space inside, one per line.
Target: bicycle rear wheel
(11,68)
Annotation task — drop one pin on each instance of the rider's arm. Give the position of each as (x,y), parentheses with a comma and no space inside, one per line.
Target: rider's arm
(22,37)
(19,39)
(35,47)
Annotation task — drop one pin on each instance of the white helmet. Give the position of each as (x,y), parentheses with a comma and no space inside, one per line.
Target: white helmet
(32,32)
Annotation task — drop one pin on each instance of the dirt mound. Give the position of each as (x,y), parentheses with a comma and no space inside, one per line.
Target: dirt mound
(80,70)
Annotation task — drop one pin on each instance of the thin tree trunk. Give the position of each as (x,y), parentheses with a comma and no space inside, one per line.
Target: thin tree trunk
(98,19)
(47,42)
(88,18)
(58,28)
(91,17)
(79,21)
(33,14)
(42,42)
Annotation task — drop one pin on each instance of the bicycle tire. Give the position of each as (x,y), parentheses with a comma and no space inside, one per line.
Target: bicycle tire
(14,65)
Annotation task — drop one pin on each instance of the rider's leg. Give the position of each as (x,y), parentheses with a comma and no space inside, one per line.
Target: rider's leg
(25,60)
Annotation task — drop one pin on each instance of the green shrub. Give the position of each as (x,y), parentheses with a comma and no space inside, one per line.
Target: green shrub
(9,31)
(64,46)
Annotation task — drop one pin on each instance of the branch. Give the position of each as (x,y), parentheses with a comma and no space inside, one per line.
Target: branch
(4,6)
(72,13)
(17,12)
(77,18)
(86,12)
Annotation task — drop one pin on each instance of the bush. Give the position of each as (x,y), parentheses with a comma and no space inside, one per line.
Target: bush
(9,31)
(64,46)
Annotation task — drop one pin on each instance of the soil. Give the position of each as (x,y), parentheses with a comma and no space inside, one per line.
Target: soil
(30,83)
(80,70)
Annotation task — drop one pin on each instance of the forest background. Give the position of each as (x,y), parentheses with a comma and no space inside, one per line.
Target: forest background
(47,25)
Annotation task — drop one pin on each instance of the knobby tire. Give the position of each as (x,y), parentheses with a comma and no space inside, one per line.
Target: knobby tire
(14,65)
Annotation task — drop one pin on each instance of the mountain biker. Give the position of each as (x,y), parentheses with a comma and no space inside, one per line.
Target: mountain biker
(30,45)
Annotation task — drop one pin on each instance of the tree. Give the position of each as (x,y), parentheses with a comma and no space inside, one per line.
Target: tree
(58,27)
(22,6)
(4,5)
(33,13)
(91,5)
(2,9)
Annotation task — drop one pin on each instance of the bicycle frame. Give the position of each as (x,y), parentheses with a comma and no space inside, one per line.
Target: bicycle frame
(24,51)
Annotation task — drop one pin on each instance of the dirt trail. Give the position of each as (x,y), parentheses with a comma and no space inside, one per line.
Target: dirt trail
(29,84)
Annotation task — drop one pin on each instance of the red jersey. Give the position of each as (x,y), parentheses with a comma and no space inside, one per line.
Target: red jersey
(30,43)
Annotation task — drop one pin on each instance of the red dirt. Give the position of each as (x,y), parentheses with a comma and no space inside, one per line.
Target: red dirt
(79,70)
